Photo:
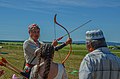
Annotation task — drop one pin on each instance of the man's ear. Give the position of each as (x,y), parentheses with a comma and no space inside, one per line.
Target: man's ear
(91,47)
(29,31)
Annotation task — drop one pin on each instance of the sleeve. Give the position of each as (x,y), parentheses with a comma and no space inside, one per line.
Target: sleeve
(85,69)
(60,47)
(28,48)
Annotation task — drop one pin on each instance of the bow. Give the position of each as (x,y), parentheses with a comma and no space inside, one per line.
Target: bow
(63,61)
(5,63)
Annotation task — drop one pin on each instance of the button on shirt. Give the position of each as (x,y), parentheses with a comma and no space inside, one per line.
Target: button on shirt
(100,64)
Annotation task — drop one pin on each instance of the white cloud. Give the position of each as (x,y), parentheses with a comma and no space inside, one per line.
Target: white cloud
(87,3)
(50,5)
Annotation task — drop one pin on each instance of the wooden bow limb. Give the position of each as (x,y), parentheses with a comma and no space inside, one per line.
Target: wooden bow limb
(63,61)
(9,64)
(11,68)
(70,50)
(5,63)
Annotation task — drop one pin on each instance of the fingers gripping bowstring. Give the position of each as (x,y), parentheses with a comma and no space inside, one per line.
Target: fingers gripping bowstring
(63,61)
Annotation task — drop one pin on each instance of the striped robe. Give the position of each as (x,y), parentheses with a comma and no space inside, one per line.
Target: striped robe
(100,64)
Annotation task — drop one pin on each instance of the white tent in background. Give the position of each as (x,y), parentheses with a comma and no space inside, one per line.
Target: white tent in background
(1,47)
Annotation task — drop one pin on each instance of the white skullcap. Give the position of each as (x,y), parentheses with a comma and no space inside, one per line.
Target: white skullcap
(94,35)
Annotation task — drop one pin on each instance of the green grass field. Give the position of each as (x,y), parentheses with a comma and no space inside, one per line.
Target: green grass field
(15,57)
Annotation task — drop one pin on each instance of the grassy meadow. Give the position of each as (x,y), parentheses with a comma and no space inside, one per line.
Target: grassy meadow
(15,57)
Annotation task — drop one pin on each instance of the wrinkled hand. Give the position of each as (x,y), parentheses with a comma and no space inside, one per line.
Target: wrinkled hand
(68,41)
(54,43)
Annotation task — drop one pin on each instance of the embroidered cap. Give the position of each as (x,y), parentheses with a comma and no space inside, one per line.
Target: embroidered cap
(32,26)
(94,35)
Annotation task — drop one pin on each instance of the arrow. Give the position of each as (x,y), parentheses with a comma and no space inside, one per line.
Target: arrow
(74,30)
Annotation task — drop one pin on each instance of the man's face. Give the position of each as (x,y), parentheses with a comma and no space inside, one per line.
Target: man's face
(89,46)
(35,34)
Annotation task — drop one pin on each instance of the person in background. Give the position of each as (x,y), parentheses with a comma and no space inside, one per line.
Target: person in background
(46,68)
(99,63)
(1,72)
(31,44)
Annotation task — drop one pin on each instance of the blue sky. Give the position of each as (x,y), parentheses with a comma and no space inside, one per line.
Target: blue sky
(16,15)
